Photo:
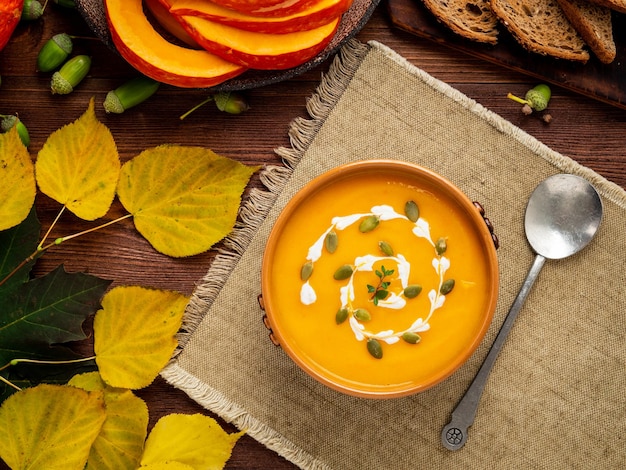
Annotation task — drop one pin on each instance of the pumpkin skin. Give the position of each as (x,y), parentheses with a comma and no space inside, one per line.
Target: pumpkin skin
(145,49)
(10,13)
(259,50)
(310,17)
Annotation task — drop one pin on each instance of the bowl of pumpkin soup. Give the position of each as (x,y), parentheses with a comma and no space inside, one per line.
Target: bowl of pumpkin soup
(380,278)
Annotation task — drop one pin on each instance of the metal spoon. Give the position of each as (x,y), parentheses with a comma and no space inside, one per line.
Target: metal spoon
(562,216)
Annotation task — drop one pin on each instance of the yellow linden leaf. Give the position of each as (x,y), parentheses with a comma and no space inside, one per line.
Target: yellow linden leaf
(195,440)
(120,443)
(135,334)
(50,427)
(183,199)
(79,166)
(17,191)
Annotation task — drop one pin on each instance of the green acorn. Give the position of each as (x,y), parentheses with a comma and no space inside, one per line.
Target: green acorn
(70,75)
(129,94)
(54,52)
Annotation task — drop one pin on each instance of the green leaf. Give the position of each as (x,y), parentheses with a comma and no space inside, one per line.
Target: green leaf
(17,191)
(120,443)
(183,199)
(17,244)
(39,314)
(135,334)
(79,166)
(50,427)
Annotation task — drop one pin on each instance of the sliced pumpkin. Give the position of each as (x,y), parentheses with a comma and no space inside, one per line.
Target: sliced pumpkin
(150,53)
(254,7)
(259,50)
(311,17)
(159,9)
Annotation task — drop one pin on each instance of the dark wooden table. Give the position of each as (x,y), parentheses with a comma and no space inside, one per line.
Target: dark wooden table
(591,132)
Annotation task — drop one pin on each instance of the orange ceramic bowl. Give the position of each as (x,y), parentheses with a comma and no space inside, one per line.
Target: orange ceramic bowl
(380,278)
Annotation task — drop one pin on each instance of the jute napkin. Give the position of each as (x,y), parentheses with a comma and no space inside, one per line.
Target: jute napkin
(557,395)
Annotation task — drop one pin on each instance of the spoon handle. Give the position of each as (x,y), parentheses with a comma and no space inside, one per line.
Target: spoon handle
(454,434)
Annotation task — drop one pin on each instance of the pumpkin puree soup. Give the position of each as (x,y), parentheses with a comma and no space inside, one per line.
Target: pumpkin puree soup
(379,283)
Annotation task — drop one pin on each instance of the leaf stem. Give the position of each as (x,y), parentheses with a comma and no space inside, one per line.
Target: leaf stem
(15,362)
(41,249)
(56,219)
(209,99)
(10,384)
(60,240)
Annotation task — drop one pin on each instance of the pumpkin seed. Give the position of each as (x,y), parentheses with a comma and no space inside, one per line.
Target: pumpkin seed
(331,241)
(306,271)
(412,291)
(441,246)
(412,338)
(412,211)
(362,315)
(447,286)
(385,248)
(374,348)
(343,272)
(341,315)
(369,223)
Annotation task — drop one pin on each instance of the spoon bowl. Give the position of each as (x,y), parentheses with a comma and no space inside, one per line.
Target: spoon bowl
(562,216)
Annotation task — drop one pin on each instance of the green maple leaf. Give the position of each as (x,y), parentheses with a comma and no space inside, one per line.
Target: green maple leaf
(17,244)
(38,316)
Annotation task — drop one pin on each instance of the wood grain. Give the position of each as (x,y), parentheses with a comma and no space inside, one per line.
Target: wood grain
(587,130)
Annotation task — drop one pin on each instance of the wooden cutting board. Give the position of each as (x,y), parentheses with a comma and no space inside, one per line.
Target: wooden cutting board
(600,81)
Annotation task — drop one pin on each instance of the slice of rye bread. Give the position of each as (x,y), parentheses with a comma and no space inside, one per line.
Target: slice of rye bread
(541,26)
(617,5)
(471,19)
(594,24)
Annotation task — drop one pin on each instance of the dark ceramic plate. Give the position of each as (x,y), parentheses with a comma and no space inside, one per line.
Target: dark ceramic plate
(351,23)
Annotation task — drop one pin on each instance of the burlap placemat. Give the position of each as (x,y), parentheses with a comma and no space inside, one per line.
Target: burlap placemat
(556,396)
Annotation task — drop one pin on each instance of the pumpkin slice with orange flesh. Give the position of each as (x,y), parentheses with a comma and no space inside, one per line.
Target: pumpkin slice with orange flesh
(151,54)
(259,50)
(282,8)
(160,11)
(312,17)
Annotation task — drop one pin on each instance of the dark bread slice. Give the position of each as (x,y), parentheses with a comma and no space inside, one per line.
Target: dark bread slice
(541,26)
(617,5)
(593,22)
(471,19)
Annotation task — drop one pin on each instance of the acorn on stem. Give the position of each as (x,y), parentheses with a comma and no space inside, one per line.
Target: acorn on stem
(536,98)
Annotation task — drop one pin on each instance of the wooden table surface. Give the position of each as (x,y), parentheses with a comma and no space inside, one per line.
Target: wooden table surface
(591,132)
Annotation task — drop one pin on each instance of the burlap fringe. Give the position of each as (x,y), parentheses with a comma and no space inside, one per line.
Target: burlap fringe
(564,164)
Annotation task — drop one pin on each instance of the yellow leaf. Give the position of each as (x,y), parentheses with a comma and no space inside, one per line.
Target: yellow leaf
(120,443)
(50,427)
(134,334)
(79,166)
(183,199)
(17,191)
(195,440)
